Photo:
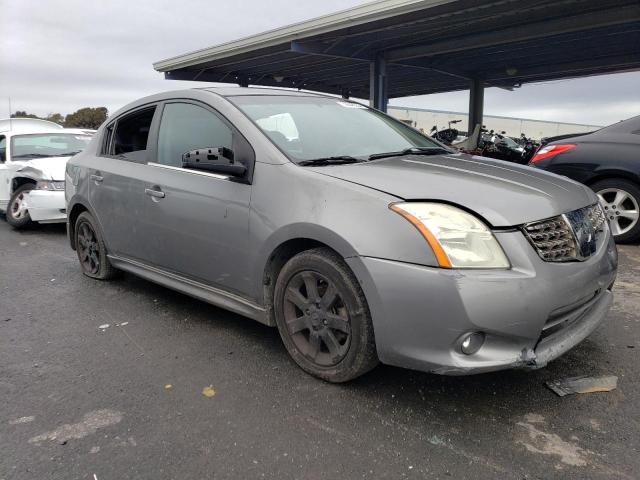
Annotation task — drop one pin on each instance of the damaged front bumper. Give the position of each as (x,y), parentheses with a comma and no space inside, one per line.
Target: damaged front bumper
(46,206)
(528,315)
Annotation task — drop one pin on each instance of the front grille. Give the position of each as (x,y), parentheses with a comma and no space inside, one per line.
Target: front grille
(552,239)
(569,237)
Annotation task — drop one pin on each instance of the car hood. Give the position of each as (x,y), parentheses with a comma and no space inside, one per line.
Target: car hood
(49,168)
(504,194)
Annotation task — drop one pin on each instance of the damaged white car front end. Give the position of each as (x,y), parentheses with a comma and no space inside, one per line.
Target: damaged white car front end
(45,203)
(33,158)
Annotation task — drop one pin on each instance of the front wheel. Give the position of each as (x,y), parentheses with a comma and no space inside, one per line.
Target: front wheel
(620,200)
(17,212)
(323,317)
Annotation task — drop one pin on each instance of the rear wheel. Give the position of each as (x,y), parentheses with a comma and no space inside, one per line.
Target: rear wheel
(323,317)
(91,250)
(17,210)
(620,200)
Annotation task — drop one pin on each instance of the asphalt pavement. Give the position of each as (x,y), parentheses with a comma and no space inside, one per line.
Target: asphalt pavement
(129,380)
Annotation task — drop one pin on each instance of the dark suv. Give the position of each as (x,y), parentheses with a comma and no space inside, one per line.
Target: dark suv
(608,161)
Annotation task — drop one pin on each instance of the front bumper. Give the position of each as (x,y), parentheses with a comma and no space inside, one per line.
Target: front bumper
(530,314)
(46,206)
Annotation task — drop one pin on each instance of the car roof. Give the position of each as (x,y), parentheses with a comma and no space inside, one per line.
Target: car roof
(630,125)
(237,91)
(221,91)
(28,125)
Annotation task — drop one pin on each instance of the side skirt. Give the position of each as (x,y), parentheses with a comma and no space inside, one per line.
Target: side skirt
(209,294)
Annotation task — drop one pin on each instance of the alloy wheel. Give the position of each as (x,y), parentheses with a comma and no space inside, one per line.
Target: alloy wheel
(316,318)
(88,248)
(620,208)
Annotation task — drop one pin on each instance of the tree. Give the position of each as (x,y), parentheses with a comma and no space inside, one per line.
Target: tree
(55,118)
(86,118)
(23,114)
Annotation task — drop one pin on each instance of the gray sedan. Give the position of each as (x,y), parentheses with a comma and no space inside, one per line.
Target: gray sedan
(361,239)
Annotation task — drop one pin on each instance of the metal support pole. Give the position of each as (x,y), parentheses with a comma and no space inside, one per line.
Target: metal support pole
(476,104)
(378,83)
(243,81)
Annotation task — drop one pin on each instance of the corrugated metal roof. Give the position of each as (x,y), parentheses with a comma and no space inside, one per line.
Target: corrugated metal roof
(430,46)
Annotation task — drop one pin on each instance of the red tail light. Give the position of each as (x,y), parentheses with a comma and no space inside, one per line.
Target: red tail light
(550,151)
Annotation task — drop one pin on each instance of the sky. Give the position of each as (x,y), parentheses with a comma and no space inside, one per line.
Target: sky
(61,55)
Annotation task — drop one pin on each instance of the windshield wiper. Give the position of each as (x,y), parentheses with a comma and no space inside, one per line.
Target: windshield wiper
(337,160)
(31,155)
(411,151)
(44,155)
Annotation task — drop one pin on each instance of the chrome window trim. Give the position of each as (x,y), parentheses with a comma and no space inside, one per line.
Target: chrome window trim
(186,170)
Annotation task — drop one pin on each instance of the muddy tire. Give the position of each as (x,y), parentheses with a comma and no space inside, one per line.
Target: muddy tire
(323,317)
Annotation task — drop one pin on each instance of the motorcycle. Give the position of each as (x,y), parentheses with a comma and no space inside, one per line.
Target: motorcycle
(501,147)
(446,136)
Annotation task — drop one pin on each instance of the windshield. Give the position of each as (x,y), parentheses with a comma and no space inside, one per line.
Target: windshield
(308,128)
(25,147)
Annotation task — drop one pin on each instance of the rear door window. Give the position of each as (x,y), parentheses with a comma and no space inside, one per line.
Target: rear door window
(132,134)
(185,127)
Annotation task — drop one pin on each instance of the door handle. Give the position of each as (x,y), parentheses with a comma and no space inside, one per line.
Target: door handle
(97,178)
(154,193)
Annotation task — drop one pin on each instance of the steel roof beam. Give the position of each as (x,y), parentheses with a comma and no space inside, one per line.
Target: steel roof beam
(591,20)
(318,48)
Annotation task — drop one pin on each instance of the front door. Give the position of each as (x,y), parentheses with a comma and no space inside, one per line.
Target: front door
(196,222)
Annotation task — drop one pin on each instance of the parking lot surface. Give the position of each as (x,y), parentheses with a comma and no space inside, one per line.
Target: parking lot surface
(127,379)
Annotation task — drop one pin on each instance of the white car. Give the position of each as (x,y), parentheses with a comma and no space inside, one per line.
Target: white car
(33,157)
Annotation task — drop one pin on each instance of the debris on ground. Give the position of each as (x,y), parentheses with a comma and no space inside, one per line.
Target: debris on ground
(168,386)
(17,421)
(583,384)
(104,326)
(208,391)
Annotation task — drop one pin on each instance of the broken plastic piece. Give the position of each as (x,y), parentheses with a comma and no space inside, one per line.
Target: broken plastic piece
(584,384)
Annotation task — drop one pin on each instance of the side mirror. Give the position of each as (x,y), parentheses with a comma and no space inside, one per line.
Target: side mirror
(213,159)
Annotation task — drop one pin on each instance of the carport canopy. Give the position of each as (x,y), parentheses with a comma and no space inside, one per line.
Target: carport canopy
(398,48)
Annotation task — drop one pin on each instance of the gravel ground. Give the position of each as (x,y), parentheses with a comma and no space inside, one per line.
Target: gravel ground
(175,388)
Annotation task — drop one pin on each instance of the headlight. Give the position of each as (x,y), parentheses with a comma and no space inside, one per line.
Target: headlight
(49,185)
(458,239)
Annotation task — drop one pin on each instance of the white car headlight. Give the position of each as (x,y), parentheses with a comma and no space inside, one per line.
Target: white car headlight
(458,239)
(50,185)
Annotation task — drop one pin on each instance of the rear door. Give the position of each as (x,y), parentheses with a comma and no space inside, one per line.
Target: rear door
(116,186)
(197,222)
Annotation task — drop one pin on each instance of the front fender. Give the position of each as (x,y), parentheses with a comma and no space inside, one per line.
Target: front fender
(291,203)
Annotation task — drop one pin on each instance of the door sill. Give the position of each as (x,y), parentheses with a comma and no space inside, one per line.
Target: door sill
(201,291)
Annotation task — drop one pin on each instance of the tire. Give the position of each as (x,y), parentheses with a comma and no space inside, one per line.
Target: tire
(91,250)
(18,217)
(620,200)
(330,336)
